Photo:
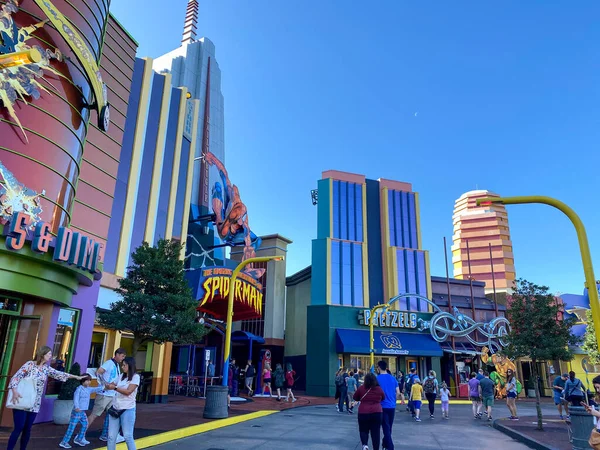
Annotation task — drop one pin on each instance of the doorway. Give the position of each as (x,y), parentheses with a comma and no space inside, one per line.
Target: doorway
(18,343)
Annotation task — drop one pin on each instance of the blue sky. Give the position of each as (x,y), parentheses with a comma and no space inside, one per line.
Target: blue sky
(507,97)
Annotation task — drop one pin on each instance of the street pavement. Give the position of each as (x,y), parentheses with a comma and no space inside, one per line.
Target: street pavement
(321,428)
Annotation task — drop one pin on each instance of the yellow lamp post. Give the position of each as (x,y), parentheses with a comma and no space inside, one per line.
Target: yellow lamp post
(234,275)
(584,248)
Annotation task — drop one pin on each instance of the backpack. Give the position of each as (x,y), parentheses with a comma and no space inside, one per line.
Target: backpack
(429,386)
(250,372)
(339,380)
(279,378)
(409,382)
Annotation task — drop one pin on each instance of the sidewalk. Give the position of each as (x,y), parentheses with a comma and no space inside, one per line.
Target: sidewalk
(554,437)
(152,419)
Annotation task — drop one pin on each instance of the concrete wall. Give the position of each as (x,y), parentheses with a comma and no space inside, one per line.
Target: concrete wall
(298,299)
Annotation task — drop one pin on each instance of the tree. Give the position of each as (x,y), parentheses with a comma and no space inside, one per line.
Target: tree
(156,302)
(590,344)
(538,330)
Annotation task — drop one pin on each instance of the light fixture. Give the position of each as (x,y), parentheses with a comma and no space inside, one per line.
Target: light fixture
(31,56)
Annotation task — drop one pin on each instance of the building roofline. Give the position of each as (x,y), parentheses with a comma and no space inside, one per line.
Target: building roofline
(277,236)
(458,281)
(299,277)
(124,29)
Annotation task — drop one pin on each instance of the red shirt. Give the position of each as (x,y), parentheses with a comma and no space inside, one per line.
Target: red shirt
(370,399)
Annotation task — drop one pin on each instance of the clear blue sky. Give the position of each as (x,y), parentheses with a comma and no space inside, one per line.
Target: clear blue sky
(507,96)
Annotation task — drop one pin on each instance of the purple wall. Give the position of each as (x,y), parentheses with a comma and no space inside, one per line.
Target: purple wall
(85,300)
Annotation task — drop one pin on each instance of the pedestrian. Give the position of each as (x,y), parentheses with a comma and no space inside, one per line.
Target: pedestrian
(574,391)
(236,374)
(431,389)
(389,385)
(370,396)
(37,370)
(267,379)
(250,373)
(487,388)
(401,385)
(558,389)
(122,413)
(594,440)
(480,375)
(109,372)
(289,382)
(409,382)
(279,377)
(416,396)
(343,393)
(475,396)
(230,375)
(338,380)
(352,386)
(81,403)
(445,398)
(511,394)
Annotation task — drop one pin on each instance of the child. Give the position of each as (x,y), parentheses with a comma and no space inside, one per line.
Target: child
(445,398)
(416,395)
(81,403)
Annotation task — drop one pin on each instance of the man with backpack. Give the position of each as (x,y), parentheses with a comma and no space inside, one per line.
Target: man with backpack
(250,373)
(431,390)
(340,383)
(411,377)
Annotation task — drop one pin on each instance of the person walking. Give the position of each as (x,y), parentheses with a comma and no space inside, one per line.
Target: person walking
(279,379)
(38,370)
(431,389)
(81,403)
(122,413)
(352,386)
(445,398)
(337,380)
(574,391)
(475,396)
(370,396)
(290,374)
(109,372)
(250,373)
(558,389)
(267,379)
(343,392)
(487,388)
(409,382)
(389,385)
(511,394)
(416,396)
(401,385)
(480,375)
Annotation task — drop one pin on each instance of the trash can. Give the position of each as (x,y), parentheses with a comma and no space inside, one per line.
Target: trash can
(215,404)
(582,424)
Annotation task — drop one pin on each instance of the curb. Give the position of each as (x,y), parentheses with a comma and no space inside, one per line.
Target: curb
(173,435)
(522,438)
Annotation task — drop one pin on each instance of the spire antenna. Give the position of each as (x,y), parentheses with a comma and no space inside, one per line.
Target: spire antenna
(191,22)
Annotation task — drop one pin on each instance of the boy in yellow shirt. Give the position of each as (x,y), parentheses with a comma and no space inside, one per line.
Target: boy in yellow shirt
(416,395)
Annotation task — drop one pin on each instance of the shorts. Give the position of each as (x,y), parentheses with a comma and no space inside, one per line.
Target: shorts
(101,404)
(416,404)
(475,399)
(445,404)
(488,401)
(267,380)
(249,381)
(558,399)
(511,394)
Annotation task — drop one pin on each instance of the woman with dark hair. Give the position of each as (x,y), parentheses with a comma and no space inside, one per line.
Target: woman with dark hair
(122,413)
(511,394)
(370,395)
(38,371)
(574,391)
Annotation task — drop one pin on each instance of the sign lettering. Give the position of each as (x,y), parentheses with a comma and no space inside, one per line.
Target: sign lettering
(391,319)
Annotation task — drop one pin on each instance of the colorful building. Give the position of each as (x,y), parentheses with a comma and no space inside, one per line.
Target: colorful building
(59,155)
(367,250)
(482,248)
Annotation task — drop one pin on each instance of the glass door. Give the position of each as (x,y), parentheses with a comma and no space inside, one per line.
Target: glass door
(18,343)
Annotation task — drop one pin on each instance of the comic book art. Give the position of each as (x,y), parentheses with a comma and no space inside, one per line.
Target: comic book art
(502,364)
(15,197)
(232,216)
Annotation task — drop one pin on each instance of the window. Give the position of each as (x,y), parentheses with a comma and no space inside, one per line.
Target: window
(346,274)
(363,363)
(97,350)
(62,349)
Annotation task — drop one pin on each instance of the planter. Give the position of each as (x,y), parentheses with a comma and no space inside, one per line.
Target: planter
(62,411)
(531,393)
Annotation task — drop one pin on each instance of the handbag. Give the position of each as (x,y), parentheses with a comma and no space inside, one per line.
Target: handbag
(27,389)
(594,440)
(116,413)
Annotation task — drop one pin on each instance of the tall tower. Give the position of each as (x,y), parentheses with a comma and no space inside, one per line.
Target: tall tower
(194,65)
(475,228)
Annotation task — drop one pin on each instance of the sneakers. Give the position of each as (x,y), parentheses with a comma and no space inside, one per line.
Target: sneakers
(431,416)
(349,411)
(103,438)
(85,441)
(513,418)
(568,417)
(417,419)
(489,418)
(365,447)
(294,400)
(80,443)
(64,445)
(562,417)
(446,417)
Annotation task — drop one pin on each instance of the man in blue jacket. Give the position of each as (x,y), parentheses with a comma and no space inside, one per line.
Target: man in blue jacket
(389,385)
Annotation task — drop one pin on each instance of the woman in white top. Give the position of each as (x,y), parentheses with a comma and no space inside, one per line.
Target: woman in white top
(124,406)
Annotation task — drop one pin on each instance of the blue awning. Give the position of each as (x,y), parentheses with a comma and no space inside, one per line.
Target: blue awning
(414,344)
(246,336)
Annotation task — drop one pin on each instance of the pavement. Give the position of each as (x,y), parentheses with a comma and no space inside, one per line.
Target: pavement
(311,422)
(322,428)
